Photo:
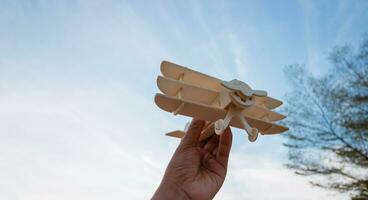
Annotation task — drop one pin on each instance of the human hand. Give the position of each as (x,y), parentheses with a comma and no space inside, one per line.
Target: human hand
(197,170)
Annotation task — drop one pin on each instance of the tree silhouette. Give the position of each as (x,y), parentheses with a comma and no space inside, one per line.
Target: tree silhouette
(328,120)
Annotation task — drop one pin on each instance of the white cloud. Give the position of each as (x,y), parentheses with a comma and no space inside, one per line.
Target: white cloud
(259,177)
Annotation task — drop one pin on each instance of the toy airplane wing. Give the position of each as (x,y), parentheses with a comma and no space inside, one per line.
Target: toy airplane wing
(174,71)
(220,103)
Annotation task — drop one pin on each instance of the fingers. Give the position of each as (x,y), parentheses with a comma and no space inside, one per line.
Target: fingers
(224,147)
(211,143)
(191,137)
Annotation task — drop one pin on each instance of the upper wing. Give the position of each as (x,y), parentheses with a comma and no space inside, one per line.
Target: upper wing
(174,71)
(188,91)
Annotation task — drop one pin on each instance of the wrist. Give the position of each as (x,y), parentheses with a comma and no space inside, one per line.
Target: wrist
(169,190)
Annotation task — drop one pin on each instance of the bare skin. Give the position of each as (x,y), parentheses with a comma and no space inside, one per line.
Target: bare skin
(197,170)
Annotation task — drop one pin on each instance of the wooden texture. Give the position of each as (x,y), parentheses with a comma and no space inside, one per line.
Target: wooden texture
(206,96)
(210,113)
(177,134)
(174,71)
(207,132)
(171,87)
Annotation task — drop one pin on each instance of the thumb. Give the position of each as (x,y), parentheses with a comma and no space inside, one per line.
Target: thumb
(191,137)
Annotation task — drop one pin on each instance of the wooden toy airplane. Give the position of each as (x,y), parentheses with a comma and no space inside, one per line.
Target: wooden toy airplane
(219,103)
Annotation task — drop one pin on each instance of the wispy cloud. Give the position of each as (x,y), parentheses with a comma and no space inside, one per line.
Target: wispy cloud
(80,139)
(327,25)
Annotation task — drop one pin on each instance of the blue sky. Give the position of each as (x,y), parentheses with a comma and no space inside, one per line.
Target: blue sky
(77,80)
